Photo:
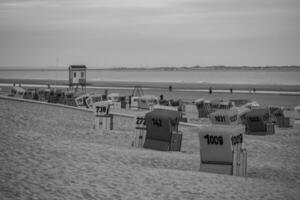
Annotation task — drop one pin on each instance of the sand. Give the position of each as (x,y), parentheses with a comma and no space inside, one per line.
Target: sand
(48,152)
(125,88)
(161,85)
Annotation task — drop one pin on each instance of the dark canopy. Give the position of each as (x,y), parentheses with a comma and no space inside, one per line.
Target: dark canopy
(160,124)
(77,67)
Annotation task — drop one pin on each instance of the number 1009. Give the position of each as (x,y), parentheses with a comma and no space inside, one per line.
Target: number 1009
(211,139)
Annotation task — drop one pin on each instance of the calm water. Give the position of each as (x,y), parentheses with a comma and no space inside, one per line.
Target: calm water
(237,77)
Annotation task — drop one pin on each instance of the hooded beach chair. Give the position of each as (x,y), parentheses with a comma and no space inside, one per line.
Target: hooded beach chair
(221,150)
(258,122)
(162,130)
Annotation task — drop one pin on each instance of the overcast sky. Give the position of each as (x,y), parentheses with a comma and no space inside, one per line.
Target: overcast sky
(140,33)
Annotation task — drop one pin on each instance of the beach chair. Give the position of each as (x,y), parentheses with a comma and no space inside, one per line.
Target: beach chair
(56,96)
(162,130)
(114,99)
(258,122)
(81,100)
(69,98)
(221,150)
(134,103)
(30,94)
(251,105)
(102,116)
(164,102)
(93,98)
(145,102)
(17,92)
(43,94)
(202,108)
(225,117)
(179,107)
(179,104)
(239,102)
(275,113)
(60,95)
(242,112)
(52,96)
(225,105)
(215,105)
(279,118)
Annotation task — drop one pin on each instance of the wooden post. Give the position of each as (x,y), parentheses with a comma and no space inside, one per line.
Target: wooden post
(97,121)
(176,141)
(107,122)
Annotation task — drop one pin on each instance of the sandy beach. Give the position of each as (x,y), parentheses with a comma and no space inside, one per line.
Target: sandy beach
(162,85)
(54,153)
(61,59)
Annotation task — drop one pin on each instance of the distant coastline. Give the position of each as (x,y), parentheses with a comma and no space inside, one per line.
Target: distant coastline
(183,68)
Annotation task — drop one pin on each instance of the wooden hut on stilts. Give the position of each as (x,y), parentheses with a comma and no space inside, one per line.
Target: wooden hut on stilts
(77,77)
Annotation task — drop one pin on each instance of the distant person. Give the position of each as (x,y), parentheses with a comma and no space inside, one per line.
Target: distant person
(210,90)
(170,88)
(231,90)
(161,97)
(254,90)
(129,101)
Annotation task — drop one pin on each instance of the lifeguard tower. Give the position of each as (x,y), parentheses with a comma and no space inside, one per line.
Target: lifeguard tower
(137,91)
(77,77)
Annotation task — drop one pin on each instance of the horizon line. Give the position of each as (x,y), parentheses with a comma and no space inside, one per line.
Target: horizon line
(195,67)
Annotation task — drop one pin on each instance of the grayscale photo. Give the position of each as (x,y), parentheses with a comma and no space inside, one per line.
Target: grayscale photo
(149,99)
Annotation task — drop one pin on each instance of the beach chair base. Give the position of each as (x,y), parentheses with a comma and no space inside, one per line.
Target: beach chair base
(216,168)
(157,145)
(284,122)
(238,167)
(270,130)
(174,145)
(176,141)
(105,121)
(139,140)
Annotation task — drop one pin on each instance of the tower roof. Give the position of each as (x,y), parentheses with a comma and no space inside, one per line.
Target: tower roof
(77,67)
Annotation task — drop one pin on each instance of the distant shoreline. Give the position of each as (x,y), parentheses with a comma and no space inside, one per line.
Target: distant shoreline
(183,68)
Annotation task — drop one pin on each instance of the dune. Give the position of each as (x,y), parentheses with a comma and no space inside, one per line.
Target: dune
(48,152)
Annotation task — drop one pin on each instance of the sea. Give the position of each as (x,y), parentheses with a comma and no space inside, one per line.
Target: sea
(269,77)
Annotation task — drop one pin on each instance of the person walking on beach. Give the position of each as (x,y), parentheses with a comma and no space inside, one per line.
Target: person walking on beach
(210,90)
(254,90)
(129,100)
(231,90)
(161,97)
(170,88)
